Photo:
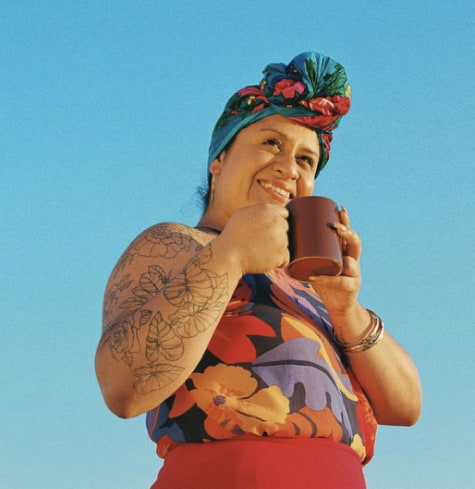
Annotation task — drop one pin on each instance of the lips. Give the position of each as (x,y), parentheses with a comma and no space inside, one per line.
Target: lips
(283,192)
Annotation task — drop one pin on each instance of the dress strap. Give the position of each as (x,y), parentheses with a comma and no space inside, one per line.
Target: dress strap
(205,228)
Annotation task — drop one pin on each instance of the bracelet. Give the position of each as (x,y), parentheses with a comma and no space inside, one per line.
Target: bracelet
(371,339)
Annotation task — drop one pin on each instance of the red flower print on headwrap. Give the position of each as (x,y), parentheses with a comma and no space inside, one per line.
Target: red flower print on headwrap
(288,88)
(312,89)
(328,106)
(254,98)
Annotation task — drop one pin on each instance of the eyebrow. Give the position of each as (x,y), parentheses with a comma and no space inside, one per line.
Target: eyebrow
(305,148)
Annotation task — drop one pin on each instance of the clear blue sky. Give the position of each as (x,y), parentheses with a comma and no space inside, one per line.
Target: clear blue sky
(106,108)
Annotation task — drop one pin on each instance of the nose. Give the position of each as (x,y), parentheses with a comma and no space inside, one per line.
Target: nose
(286,165)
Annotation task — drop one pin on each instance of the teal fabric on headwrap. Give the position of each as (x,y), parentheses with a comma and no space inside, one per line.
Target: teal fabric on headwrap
(312,89)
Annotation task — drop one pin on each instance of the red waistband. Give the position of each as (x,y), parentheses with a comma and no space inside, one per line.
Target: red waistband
(252,462)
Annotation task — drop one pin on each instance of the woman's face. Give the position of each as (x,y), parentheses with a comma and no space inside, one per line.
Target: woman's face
(272,160)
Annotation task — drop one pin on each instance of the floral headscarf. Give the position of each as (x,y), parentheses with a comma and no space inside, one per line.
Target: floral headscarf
(312,89)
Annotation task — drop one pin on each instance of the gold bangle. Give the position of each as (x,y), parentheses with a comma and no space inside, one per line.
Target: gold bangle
(371,339)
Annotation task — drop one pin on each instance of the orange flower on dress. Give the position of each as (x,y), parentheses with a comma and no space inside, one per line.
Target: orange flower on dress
(229,396)
(311,423)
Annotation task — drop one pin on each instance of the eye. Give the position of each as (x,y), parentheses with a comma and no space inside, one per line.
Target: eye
(273,142)
(308,161)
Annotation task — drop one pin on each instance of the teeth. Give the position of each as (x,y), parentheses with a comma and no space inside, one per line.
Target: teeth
(279,190)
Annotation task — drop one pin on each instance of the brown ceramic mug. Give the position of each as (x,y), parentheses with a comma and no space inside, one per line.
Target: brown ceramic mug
(315,248)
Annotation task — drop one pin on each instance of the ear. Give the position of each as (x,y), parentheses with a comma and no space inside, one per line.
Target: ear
(215,166)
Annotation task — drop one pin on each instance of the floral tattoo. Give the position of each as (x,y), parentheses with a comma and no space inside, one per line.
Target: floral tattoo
(195,299)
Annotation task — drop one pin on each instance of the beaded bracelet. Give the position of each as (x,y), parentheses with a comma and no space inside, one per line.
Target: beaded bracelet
(371,339)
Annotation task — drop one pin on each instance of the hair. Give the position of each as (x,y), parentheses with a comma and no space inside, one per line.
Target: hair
(204,191)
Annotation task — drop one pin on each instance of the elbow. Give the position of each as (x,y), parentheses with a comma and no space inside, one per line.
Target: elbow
(401,414)
(117,399)
(118,394)
(412,416)
(414,408)
(408,418)
(128,404)
(404,418)
(121,407)
(122,399)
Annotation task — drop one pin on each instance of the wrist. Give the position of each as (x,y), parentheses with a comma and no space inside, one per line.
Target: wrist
(228,254)
(353,325)
(369,340)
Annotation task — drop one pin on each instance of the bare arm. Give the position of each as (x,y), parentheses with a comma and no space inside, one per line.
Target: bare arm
(386,372)
(165,298)
(162,303)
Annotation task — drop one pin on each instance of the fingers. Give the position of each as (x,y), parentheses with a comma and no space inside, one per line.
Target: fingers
(351,267)
(259,233)
(344,217)
(283,211)
(340,293)
(351,241)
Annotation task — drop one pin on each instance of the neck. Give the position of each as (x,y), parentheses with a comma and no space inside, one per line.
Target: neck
(211,220)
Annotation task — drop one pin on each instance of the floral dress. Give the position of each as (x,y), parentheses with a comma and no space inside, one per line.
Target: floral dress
(271,369)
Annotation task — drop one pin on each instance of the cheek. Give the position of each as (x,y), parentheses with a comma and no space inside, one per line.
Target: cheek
(305,186)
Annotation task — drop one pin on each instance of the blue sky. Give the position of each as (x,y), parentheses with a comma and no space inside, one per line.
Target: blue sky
(106,109)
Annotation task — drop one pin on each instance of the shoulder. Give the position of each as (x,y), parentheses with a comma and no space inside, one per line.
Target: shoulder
(171,233)
(162,242)
(165,231)
(154,256)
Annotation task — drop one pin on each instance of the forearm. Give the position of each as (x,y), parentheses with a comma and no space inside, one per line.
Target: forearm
(385,371)
(145,356)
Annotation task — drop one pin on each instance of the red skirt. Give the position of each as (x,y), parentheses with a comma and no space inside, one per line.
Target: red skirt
(262,463)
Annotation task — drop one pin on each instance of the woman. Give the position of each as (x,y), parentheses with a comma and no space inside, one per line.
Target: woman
(251,379)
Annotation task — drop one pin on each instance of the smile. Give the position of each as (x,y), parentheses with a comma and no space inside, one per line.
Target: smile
(279,190)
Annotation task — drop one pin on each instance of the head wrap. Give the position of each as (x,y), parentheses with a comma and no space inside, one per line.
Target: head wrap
(312,89)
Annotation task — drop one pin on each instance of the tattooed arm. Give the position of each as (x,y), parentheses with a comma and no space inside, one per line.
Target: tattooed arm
(162,303)
(165,298)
